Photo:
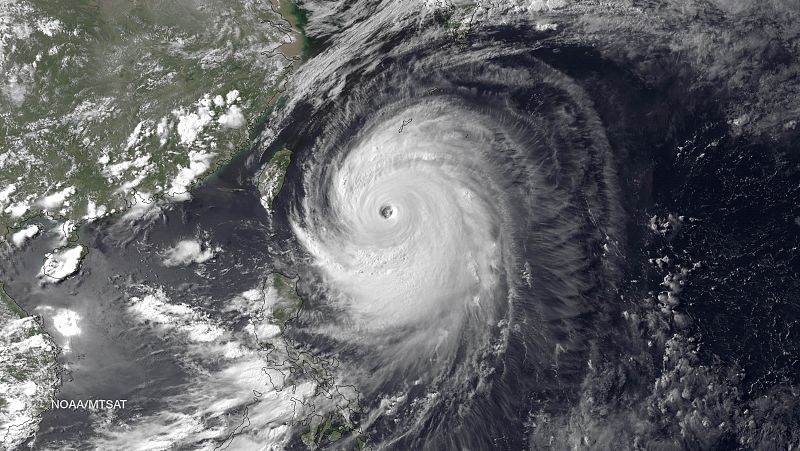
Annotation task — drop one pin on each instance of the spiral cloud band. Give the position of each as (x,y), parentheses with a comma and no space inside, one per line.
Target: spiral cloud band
(450,218)
(411,233)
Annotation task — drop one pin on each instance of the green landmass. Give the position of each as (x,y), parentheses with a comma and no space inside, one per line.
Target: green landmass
(287,303)
(298,18)
(338,412)
(270,178)
(456,19)
(29,372)
(10,308)
(327,430)
(106,99)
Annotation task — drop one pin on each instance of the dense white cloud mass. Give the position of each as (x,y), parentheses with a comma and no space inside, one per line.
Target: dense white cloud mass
(186,252)
(61,263)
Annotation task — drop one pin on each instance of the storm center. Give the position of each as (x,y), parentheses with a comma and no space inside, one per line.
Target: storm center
(387,211)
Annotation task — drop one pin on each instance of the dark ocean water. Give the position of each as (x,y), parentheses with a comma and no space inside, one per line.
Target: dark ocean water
(743,193)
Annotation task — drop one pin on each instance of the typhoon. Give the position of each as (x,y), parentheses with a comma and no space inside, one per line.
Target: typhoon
(470,206)
(451,215)
(429,218)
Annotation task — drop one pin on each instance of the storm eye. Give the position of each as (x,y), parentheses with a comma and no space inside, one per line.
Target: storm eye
(387,211)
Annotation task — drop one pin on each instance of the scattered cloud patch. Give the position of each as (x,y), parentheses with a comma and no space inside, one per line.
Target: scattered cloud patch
(187,252)
(162,130)
(5,193)
(65,322)
(232,97)
(18,209)
(233,118)
(156,309)
(49,27)
(190,124)
(56,199)
(199,163)
(20,237)
(94,211)
(229,372)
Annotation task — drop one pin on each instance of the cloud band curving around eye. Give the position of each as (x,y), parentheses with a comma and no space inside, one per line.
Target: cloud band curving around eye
(447,210)
(405,226)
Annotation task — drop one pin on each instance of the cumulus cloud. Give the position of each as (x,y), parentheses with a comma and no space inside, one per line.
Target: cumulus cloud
(21,236)
(233,118)
(187,252)
(230,376)
(56,199)
(199,163)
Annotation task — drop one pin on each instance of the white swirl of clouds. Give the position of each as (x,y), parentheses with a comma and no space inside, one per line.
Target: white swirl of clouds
(411,237)
(451,210)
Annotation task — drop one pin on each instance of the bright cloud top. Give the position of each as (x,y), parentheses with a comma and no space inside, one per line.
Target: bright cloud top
(186,252)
